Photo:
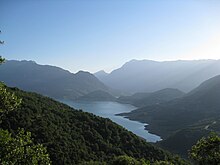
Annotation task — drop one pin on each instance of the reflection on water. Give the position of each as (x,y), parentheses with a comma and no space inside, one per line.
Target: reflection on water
(108,109)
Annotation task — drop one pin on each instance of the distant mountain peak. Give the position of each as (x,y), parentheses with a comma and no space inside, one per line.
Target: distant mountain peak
(133,61)
(83,72)
(23,61)
(31,61)
(148,75)
(49,80)
(101,72)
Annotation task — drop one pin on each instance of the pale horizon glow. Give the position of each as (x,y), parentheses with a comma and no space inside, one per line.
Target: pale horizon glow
(103,35)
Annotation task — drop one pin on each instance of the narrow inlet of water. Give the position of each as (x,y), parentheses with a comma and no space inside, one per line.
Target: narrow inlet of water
(108,109)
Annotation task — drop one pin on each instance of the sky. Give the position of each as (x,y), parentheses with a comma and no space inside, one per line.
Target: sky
(93,35)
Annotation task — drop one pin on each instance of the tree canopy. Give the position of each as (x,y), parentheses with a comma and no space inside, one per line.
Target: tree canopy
(18,148)
(206,150)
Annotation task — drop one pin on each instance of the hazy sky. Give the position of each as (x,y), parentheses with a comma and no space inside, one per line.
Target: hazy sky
(103,34)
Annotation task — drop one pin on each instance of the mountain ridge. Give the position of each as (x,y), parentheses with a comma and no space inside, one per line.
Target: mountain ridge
(49,80)
(194,115)
(149,76)
(157,97)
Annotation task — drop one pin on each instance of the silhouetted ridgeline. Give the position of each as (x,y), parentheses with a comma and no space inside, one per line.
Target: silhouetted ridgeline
(149,76)
(49,80)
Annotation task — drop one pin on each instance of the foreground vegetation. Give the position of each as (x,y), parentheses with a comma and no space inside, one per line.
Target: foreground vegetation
(73,136)
(17,148)
(76,137)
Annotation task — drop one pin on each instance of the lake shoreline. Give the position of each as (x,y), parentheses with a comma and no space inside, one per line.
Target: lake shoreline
(109,109)
(146,127)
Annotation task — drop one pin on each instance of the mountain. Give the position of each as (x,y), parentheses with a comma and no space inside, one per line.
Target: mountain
(101,74)
(201,103)
(49,80)
(190,135)
(97,96)
(144,99)
(193,115)
(149,76)
(72,136)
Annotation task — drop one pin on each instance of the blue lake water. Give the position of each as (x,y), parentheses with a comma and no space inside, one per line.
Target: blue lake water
(108,109)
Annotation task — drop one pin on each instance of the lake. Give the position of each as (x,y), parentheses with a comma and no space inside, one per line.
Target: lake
(108,109)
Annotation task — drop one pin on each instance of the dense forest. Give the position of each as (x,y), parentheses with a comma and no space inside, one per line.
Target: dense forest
(73,136)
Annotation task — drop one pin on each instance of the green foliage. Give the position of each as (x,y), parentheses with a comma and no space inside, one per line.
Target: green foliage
(162,163)
(21,150)
(8,101)
(125,160)
(93,163)
(73,137)
(207,150)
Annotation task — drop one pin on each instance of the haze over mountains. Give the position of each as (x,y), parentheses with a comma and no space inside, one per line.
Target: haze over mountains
(49,80)
(187,118)
(172,114)
(144,99)
(97,96)
(203,102)
(148,76)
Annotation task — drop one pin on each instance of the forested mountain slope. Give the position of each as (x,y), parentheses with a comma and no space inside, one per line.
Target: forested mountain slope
(73,136)
(181,122)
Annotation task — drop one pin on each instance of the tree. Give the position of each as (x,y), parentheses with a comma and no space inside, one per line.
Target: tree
(21,149)
(127,160)
(18,149)
(162,163)
(207,150)
(8,101)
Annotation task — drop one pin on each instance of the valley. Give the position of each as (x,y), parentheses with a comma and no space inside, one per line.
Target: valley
(110,82)
(109,110)
(168,114)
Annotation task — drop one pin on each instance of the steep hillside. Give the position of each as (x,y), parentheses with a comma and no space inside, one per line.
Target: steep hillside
(182,140)
(49,80)
(144,99)
(73,136)
(149,76)
(189,117)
